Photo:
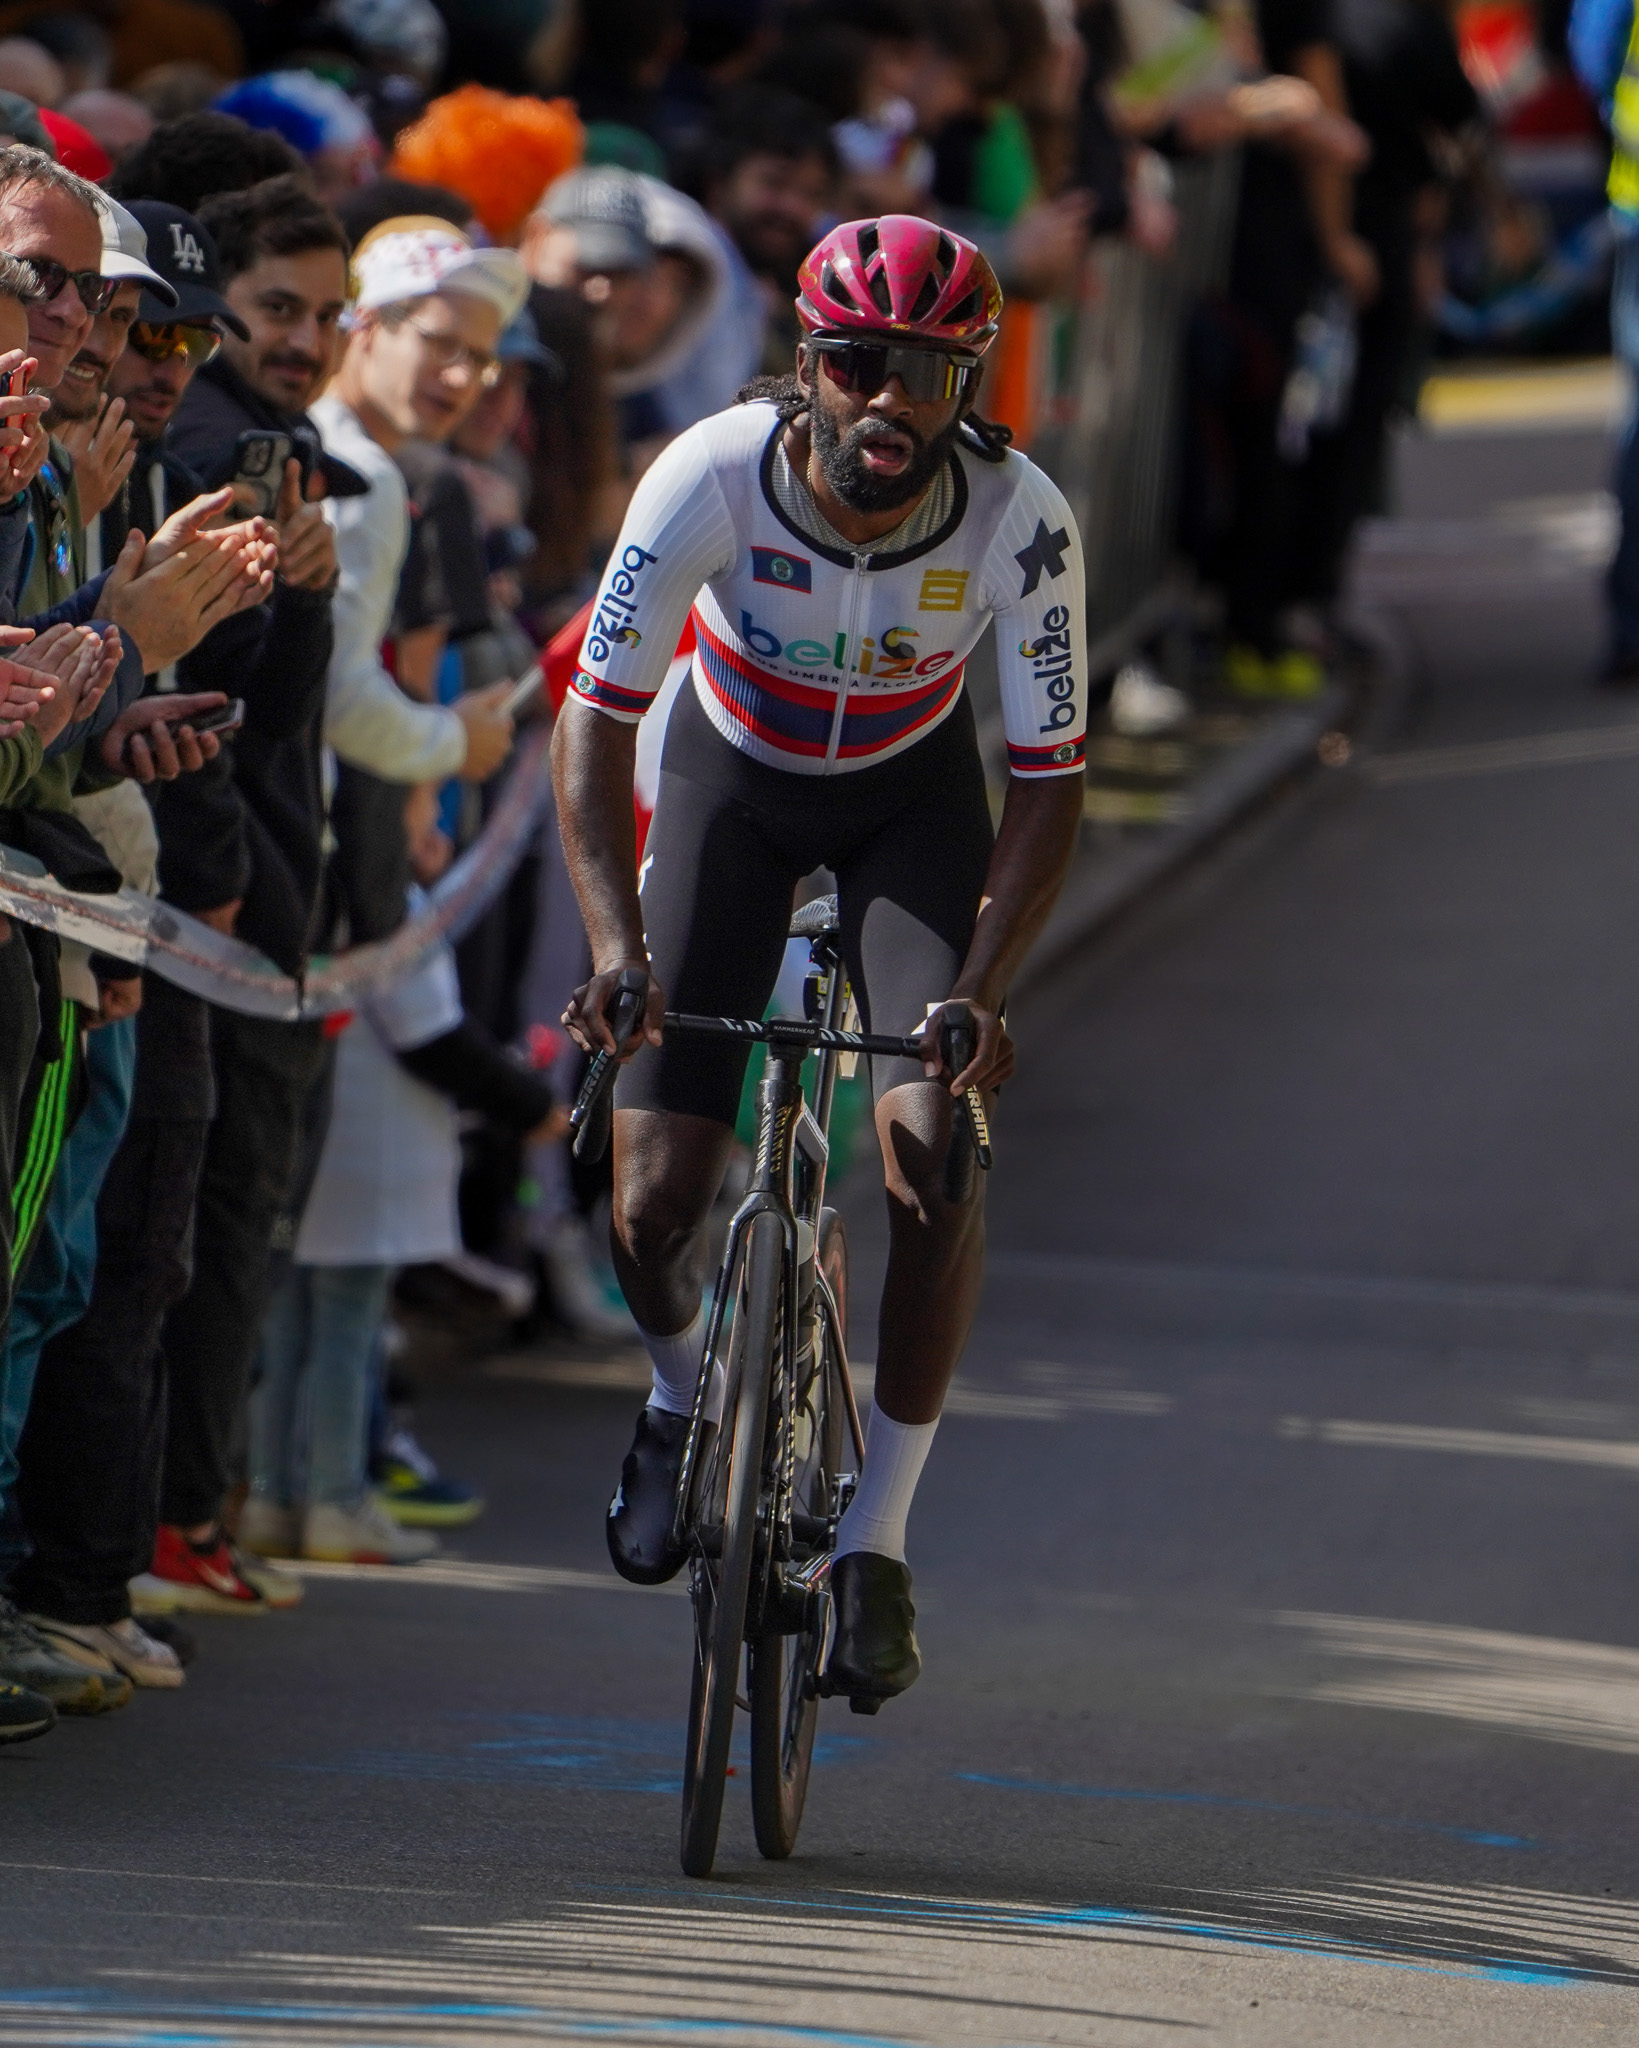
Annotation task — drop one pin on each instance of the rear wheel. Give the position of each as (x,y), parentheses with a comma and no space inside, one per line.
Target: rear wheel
(723,1522)
(785,1657)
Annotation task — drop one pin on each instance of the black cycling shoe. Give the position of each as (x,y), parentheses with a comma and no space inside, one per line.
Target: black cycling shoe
(640,1515)
(874,1653)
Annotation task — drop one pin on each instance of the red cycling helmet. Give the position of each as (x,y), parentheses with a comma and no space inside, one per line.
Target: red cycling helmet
(899,275)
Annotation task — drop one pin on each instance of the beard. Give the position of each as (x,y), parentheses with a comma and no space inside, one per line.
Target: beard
(860,488)
(76,398)
(289,363)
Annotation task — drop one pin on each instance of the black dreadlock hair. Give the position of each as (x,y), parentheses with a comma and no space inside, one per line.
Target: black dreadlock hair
(988,439)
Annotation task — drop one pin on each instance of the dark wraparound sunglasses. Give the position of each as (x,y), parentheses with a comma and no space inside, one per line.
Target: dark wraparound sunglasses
(157,342)
(926,373)
(50,276)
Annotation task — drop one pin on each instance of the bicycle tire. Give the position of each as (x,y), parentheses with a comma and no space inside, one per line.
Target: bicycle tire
(785,1667)
(721,1588)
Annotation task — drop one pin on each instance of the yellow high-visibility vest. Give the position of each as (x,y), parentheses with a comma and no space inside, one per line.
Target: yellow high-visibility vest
(1622,187)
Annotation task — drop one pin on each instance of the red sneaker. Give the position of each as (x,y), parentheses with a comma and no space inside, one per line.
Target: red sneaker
(201,1578)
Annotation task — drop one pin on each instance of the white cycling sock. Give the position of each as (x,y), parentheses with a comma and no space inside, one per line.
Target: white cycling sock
(895,1453)
(676,1362)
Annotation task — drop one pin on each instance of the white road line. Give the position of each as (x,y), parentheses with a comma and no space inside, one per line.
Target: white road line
(966,1397)
(1585,1694)
(1477,1443)
(475,1578)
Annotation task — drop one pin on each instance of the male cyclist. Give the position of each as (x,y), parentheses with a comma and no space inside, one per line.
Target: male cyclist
(844,539)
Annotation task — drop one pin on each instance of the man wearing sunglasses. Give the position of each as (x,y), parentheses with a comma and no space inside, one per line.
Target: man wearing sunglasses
(162,599)
(240,849)
(844,538)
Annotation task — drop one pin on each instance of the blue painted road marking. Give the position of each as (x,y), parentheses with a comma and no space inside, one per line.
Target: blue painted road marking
(1481,1837)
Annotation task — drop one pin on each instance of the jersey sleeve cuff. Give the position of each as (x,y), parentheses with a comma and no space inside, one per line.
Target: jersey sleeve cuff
(628,706)
(1067,757)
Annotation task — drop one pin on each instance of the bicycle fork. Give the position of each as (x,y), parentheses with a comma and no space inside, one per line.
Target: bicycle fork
(783,1122)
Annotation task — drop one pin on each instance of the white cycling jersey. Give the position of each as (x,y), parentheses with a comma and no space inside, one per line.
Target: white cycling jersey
(819,659)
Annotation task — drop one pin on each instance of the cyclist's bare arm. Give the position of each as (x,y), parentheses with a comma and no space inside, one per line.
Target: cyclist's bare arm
(1040,820)
(593,759)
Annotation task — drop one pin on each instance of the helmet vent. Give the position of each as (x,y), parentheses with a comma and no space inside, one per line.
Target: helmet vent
(927,298)
(831,284)
(876,283)
(945,255)
(970,308)
(869,241)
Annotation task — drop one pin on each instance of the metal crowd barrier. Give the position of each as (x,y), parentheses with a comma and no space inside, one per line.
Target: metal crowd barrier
(1112,419)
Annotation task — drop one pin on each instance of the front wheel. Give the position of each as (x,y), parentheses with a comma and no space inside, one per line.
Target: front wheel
(785,1659)
(723,1536)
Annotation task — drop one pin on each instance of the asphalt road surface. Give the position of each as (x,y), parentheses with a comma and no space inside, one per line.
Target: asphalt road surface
(1276,1562)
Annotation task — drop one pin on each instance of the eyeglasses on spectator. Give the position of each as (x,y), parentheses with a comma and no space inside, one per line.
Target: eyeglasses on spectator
(159,341)
(95,291)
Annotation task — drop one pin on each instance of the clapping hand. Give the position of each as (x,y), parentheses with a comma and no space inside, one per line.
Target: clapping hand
(103,453)
(201,578)
(307,540)
(65,669)
(24,442)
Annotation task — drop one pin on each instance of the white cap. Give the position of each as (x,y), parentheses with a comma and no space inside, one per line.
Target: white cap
(125,250)
(417,255)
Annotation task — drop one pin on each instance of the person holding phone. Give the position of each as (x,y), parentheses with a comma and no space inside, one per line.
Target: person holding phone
(164,596)
(239,848)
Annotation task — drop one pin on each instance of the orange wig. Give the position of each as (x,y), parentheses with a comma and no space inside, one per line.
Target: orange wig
(498,150)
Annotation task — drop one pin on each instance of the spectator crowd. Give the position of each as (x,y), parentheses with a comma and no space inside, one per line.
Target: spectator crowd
(333,338)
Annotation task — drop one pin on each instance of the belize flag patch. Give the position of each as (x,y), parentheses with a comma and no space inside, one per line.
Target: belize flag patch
(785,572)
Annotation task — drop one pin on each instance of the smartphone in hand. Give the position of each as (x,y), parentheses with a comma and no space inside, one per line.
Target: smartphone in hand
(224,719)
(259,458)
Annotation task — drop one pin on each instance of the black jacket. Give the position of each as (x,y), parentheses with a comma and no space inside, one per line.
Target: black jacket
(251,823)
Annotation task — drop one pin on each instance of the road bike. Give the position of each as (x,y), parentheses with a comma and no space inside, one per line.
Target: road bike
(766,1470)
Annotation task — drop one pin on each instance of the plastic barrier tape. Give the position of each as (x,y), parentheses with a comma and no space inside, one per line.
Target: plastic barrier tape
(134,927)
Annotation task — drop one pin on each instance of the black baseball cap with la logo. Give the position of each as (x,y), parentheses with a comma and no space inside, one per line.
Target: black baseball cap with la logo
(182,251)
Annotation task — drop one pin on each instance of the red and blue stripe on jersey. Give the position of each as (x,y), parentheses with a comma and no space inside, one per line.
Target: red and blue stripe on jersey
(796,718)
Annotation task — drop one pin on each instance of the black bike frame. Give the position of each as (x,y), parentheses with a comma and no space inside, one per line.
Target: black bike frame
(787,1181)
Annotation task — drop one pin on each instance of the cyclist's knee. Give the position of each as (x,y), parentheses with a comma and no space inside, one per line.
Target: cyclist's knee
(655,1228)
(917,1127)
(665,1181)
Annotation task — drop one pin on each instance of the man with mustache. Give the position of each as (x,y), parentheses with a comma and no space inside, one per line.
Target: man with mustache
(239,848)
(844,538)
(165,595)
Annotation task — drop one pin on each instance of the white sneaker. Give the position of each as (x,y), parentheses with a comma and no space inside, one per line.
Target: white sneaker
(566,1250)
(269,1528)
(124,1644)
(366,1534)
(1142,707)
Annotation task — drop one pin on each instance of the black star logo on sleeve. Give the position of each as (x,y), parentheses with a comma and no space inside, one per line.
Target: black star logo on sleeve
(1046,551)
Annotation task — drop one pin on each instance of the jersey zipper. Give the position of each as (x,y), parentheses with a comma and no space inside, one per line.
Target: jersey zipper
(861,564)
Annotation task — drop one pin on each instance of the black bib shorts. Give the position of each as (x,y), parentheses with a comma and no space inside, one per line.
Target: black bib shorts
(908,840)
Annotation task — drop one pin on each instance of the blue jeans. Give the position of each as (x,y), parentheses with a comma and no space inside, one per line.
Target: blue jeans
(54,1289)
(1622,584)
(309,1415)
